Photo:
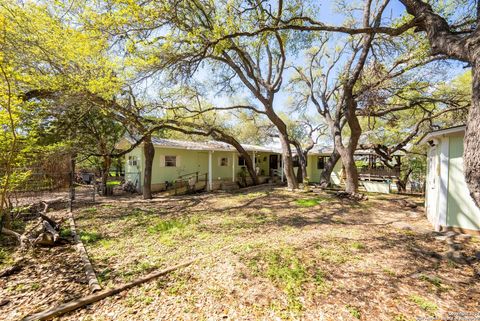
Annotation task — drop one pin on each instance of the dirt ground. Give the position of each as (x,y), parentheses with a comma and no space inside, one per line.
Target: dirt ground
(275,255)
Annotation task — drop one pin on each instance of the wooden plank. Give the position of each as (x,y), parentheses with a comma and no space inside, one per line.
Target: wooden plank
(89,271)
(78,303)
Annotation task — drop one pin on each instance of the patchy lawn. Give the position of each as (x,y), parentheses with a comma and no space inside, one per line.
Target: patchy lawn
(275,254)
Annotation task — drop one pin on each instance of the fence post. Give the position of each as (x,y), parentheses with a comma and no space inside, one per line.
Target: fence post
(94,190)
(72,182)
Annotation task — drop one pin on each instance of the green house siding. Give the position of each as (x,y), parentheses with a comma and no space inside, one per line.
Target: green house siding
(461,210)
(190,161)
(314,173)
(262,161)
(187,161)
(133,173)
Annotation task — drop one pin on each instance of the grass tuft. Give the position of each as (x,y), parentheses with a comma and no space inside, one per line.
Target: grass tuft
(424,304)
(309,202)
(5,258)
(90,237)
(354,311)
(167,225)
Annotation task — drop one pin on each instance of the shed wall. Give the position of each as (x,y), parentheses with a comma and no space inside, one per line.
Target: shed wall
(461,209)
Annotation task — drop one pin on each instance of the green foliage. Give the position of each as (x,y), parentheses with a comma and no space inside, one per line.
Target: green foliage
(65,232)
(5,257)
(357,245)
(309,202)
(354,311)
(168,225)
(285,270)
(423,303)
(90,237)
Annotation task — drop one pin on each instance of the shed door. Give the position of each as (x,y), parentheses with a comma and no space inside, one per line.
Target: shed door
(432,186)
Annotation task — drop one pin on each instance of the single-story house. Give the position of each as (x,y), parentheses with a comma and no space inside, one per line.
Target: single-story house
(447,200)
(213,163)
(216,165)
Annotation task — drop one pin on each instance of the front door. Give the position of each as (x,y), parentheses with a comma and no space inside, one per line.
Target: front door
(273,164)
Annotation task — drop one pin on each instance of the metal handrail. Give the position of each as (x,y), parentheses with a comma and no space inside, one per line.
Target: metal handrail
(183,180)
(189,174)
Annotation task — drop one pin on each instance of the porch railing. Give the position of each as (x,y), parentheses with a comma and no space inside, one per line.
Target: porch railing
(190,181)
(384,172)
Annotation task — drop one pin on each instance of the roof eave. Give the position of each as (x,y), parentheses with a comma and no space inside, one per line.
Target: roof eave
(441,133)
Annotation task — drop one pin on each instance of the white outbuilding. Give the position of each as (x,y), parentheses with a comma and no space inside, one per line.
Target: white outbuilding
(448,202)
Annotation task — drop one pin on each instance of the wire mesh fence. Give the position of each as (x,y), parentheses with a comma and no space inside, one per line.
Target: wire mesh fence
(74,187)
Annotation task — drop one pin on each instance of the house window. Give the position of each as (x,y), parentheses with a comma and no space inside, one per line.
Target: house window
(223,161)
(132,160)
(241,161)
(170,161)
(296,161)
(321,162)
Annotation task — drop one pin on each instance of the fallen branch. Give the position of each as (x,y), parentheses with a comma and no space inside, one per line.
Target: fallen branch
(89,271)
(78,303)
(12,270)
(22,239)
(8,232)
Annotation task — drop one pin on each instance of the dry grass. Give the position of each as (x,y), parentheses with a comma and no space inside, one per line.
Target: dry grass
(292,256)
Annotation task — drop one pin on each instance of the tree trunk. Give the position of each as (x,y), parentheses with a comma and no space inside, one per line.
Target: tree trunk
(328,169)
(107,161)
(303,165)
(346,154)
(288,162)
(351,180)
(471,153)
(300,175)
(6,218)
(302,162)
(220,136)
(149,153)
(250,168)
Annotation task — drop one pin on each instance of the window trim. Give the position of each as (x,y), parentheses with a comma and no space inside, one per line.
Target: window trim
(323,162)
(132,160)
(167,162)
(241,161)
(227,163)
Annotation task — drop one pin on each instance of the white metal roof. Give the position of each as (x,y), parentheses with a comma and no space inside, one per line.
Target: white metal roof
(442,132)
(201,146)
(221,146)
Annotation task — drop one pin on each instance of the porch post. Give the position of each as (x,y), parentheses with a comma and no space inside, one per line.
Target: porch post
(254,164)
(283,167)
(233,167)
(210,174)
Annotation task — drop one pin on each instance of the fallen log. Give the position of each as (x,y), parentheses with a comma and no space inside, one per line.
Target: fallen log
(351,196)
(45,232)
(50,229)
(78,303)
(89,271)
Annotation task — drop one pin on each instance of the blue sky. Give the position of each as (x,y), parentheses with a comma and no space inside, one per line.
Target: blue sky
(327,13)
